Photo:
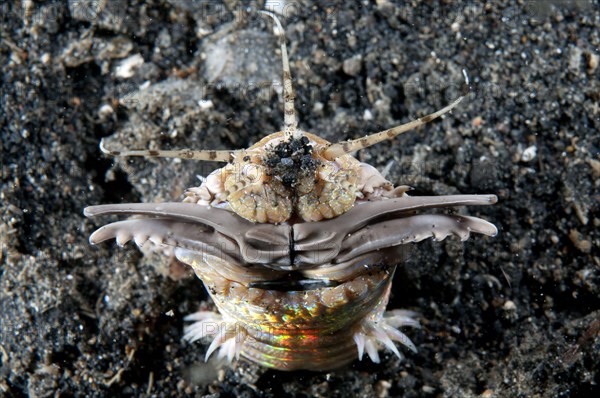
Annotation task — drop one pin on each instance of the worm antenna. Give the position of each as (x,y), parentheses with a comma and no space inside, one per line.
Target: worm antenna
(205,155)
(341,148)
(289,115)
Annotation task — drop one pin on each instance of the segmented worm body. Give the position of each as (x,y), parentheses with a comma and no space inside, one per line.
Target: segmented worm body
(296,242)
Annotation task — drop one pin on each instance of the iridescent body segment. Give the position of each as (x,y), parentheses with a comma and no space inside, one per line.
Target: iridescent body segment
(296,242)
(298,329)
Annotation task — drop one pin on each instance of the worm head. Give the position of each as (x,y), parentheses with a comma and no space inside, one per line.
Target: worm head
(290,175)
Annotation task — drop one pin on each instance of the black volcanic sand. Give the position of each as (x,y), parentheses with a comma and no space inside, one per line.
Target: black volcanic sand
(517,315)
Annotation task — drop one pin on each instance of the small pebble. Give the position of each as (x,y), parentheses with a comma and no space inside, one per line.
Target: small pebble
(582,244)
(382,388)
(126,68)
(593,59)
(353,66)
(509,306)
(105,111)
(529,153)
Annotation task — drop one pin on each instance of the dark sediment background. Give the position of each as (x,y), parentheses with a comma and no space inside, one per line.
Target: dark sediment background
(517,315)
